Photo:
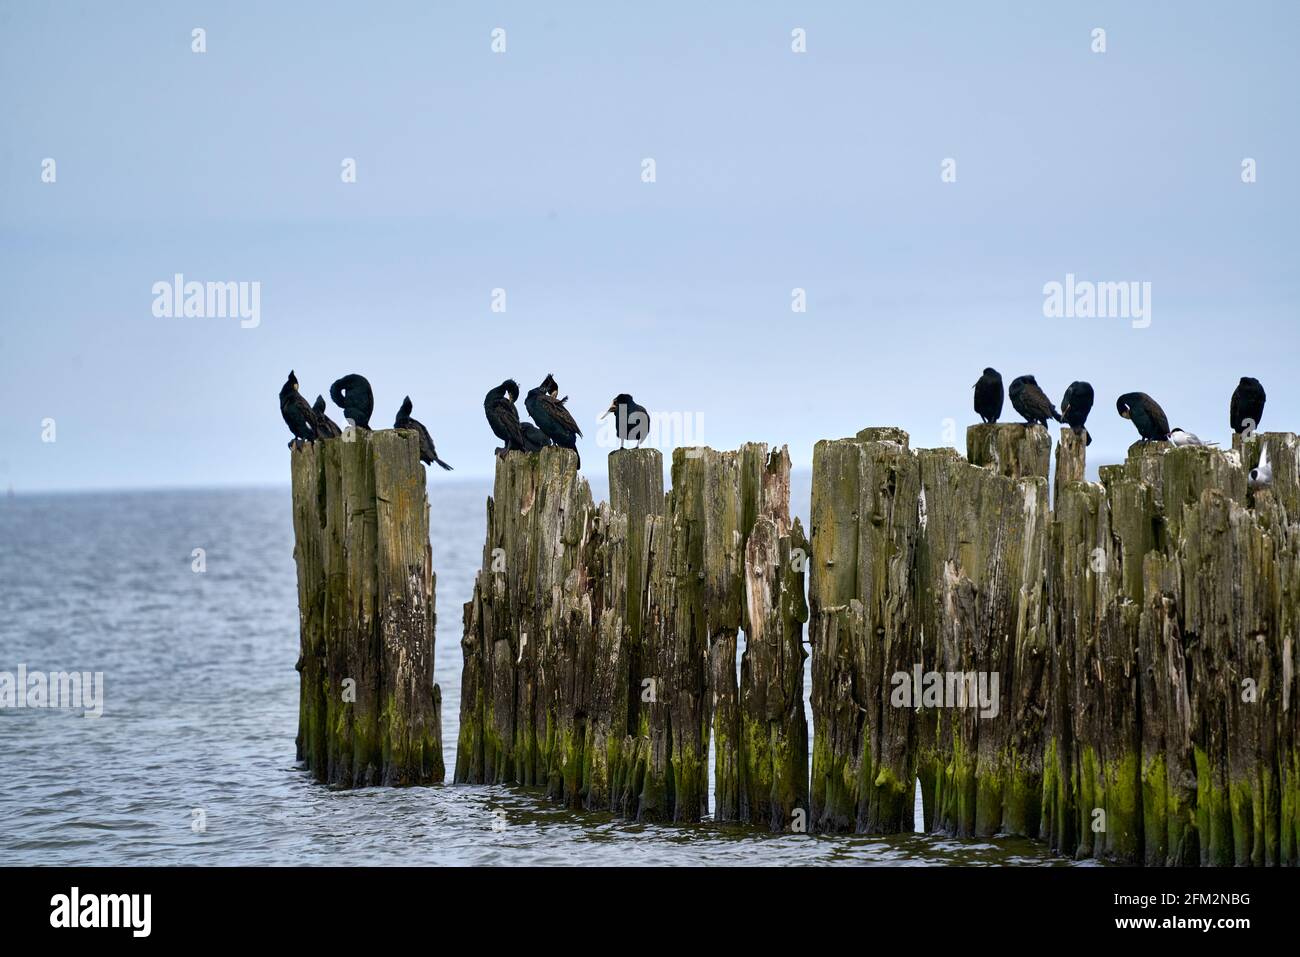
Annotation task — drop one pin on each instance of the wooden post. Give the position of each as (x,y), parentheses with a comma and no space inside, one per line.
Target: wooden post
(981,605)
(626,680)
(369,709)
(531,631)
(1071,461)
(773,732)
(1011,449)
(867,509)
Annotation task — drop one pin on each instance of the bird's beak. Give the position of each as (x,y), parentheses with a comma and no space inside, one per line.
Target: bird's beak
(1125,414)
(607,411)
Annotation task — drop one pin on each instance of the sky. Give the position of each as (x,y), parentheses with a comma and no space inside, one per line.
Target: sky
(523,171)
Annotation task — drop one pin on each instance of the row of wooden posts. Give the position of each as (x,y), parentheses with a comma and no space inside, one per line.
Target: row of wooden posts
(1111,669)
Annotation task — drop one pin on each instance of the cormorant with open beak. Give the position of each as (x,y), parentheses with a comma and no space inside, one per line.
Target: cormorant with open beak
(428,454)
(298,415)
(552,417)
(988,396)
(1030,401)
(328,427)
(632,420)
(1075,407)
(1247,405)
(353,395)
(1145,413)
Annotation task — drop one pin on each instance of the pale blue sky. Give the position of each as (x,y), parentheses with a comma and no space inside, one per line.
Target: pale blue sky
(522,171)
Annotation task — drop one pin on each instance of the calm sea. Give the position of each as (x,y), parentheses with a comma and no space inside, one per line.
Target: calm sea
(201,699)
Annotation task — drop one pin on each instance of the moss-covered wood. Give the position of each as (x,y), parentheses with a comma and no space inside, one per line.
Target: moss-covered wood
(370,713)
(1143,632)
(601,643)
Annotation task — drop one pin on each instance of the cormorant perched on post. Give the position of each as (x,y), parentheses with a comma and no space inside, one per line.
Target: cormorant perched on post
(296,412)
(534,438)
(352,394)
(502,416)
(1075,407)
(327,427)
(1247,405)
(428,454)
(552,417)
(988,396)
(633,421)
(1145,413)
(1030,402)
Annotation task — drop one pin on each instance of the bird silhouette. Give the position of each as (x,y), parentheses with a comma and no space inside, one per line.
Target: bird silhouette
(327,427)
(552,417)
(297,414)
(989,396)
(1030,401)
(1247,406)
(1075,407)
(1145,413)
(353,395)
(428,454)
(631,420)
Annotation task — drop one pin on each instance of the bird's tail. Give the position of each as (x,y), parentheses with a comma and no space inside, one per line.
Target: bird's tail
(442,463)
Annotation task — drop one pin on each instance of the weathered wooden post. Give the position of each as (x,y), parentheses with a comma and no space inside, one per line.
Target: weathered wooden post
(1071,460)
(623,692)
(1011,449)
(369,709)
(531,630)
(773,732)
(981,605)
(867,509)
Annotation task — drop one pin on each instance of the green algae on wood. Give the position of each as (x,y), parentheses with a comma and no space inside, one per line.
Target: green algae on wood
(370,713)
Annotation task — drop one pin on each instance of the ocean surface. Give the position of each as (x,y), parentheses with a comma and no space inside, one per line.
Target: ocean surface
(192,760)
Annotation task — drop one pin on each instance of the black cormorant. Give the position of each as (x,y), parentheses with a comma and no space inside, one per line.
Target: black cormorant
(988,396)
(328,427)
(428,454)
(296,412)
(552,417)
(1247,405)
(534,438)
(1145,413)
(503,417)
(633,421)
(1030,402)
(1075,407)
(353,395)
